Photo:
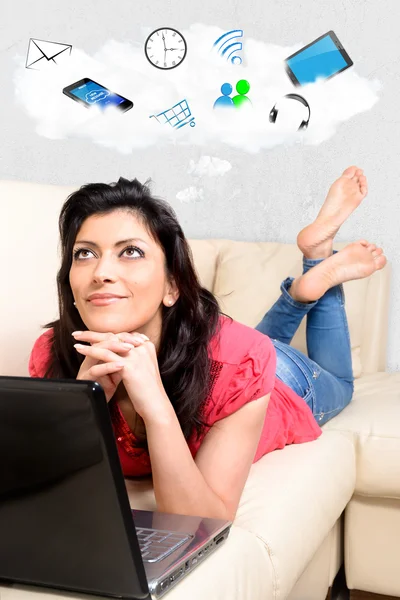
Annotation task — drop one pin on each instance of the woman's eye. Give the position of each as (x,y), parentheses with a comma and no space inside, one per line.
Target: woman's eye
(132,250)
(78,253)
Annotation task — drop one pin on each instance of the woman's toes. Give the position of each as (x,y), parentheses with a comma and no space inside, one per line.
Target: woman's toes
(364,243)
(350,171)
(362,182)
(380,261)
(377,252)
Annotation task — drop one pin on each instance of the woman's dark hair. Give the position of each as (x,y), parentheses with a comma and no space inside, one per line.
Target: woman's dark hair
(187,326)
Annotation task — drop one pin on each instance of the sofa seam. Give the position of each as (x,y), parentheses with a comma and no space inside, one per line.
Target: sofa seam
(217,265)
(363,495)
(370,435)
(270,554)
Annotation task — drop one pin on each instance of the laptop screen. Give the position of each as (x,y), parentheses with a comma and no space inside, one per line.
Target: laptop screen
(65,519)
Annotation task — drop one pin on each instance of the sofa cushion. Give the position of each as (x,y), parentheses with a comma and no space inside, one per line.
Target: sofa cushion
(372,421)
(310,484)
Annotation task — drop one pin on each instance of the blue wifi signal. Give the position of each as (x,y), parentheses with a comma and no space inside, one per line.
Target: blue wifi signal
(226,48)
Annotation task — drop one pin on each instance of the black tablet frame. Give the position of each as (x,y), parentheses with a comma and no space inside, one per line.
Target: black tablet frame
(338,45)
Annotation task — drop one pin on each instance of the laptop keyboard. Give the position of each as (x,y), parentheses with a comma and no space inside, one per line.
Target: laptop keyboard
(156,544)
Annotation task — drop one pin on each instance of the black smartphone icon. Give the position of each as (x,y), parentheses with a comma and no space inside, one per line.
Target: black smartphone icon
(90,93)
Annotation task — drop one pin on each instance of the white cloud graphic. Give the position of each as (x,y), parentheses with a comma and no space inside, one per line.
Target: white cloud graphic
(209,165)
(124,69)
(190,194)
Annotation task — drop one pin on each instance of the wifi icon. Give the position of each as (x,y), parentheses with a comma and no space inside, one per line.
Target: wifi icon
(227,45)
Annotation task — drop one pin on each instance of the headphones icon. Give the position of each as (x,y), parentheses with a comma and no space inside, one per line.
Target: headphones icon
(304,124)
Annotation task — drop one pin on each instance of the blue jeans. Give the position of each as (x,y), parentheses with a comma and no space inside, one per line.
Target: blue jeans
(324,378)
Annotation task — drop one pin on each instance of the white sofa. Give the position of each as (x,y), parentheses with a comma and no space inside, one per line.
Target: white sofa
(305,508)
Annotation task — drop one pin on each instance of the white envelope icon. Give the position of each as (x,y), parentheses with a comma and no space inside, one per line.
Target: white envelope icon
(43,55)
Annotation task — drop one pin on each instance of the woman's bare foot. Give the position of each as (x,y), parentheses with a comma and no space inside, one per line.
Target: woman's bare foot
(345,194)
(357,260)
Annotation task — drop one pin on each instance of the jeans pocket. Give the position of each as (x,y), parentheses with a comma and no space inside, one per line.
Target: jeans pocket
(298,372)
(289,372)
(292,370)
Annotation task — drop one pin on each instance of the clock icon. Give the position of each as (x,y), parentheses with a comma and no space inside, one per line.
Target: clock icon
(165,48)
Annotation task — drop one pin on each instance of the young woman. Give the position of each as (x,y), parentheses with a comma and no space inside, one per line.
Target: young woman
(195,397)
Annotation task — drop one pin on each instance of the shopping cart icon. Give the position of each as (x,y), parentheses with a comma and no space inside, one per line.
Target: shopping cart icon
(177,116)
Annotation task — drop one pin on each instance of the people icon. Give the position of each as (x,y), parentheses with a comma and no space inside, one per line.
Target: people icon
(225,101)
(242,88)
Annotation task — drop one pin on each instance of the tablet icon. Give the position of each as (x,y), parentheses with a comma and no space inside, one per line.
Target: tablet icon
(322,59)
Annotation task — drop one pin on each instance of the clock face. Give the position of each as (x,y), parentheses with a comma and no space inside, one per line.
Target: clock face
(165,48)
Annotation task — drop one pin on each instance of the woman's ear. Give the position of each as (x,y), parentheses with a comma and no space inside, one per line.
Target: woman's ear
(172,294)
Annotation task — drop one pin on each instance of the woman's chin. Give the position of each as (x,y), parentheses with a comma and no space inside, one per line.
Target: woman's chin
(106,324)
(108,320)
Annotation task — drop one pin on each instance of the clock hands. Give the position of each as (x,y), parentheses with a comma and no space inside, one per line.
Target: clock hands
(165,48)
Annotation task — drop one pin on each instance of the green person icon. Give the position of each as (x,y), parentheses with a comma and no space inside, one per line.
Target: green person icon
(242,87)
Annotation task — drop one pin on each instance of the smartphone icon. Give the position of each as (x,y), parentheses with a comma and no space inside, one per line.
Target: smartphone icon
(89,93)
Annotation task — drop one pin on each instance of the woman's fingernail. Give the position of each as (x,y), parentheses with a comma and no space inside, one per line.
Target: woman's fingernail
(79,346)
(76,333)
(127,346)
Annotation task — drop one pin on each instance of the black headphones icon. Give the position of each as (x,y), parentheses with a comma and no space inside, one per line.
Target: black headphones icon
(304,124)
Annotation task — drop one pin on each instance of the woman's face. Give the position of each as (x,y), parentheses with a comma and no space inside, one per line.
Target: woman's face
(114,254)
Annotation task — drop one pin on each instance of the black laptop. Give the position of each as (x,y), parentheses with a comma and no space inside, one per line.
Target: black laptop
(65,518)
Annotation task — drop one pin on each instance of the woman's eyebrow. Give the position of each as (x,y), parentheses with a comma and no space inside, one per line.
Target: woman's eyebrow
(115,245)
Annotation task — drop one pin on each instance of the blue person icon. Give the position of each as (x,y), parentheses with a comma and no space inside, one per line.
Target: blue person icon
(224,101)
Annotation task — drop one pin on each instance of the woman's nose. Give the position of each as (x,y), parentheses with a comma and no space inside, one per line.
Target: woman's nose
(105,269)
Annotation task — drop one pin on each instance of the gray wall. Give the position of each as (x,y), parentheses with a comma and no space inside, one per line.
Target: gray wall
(266,196)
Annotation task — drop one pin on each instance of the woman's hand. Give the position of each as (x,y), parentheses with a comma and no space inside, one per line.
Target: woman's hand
(139,372)
(108,373)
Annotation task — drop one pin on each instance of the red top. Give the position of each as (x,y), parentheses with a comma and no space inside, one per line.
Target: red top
(243,369)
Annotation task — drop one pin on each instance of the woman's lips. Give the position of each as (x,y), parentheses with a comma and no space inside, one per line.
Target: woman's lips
(105,301)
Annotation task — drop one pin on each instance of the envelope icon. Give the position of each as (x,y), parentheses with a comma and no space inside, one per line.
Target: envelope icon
(43,55)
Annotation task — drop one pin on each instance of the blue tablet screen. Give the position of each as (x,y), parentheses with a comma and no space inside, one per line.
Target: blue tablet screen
(321,59)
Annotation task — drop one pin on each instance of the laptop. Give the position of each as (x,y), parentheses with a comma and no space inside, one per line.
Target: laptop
(65,518)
